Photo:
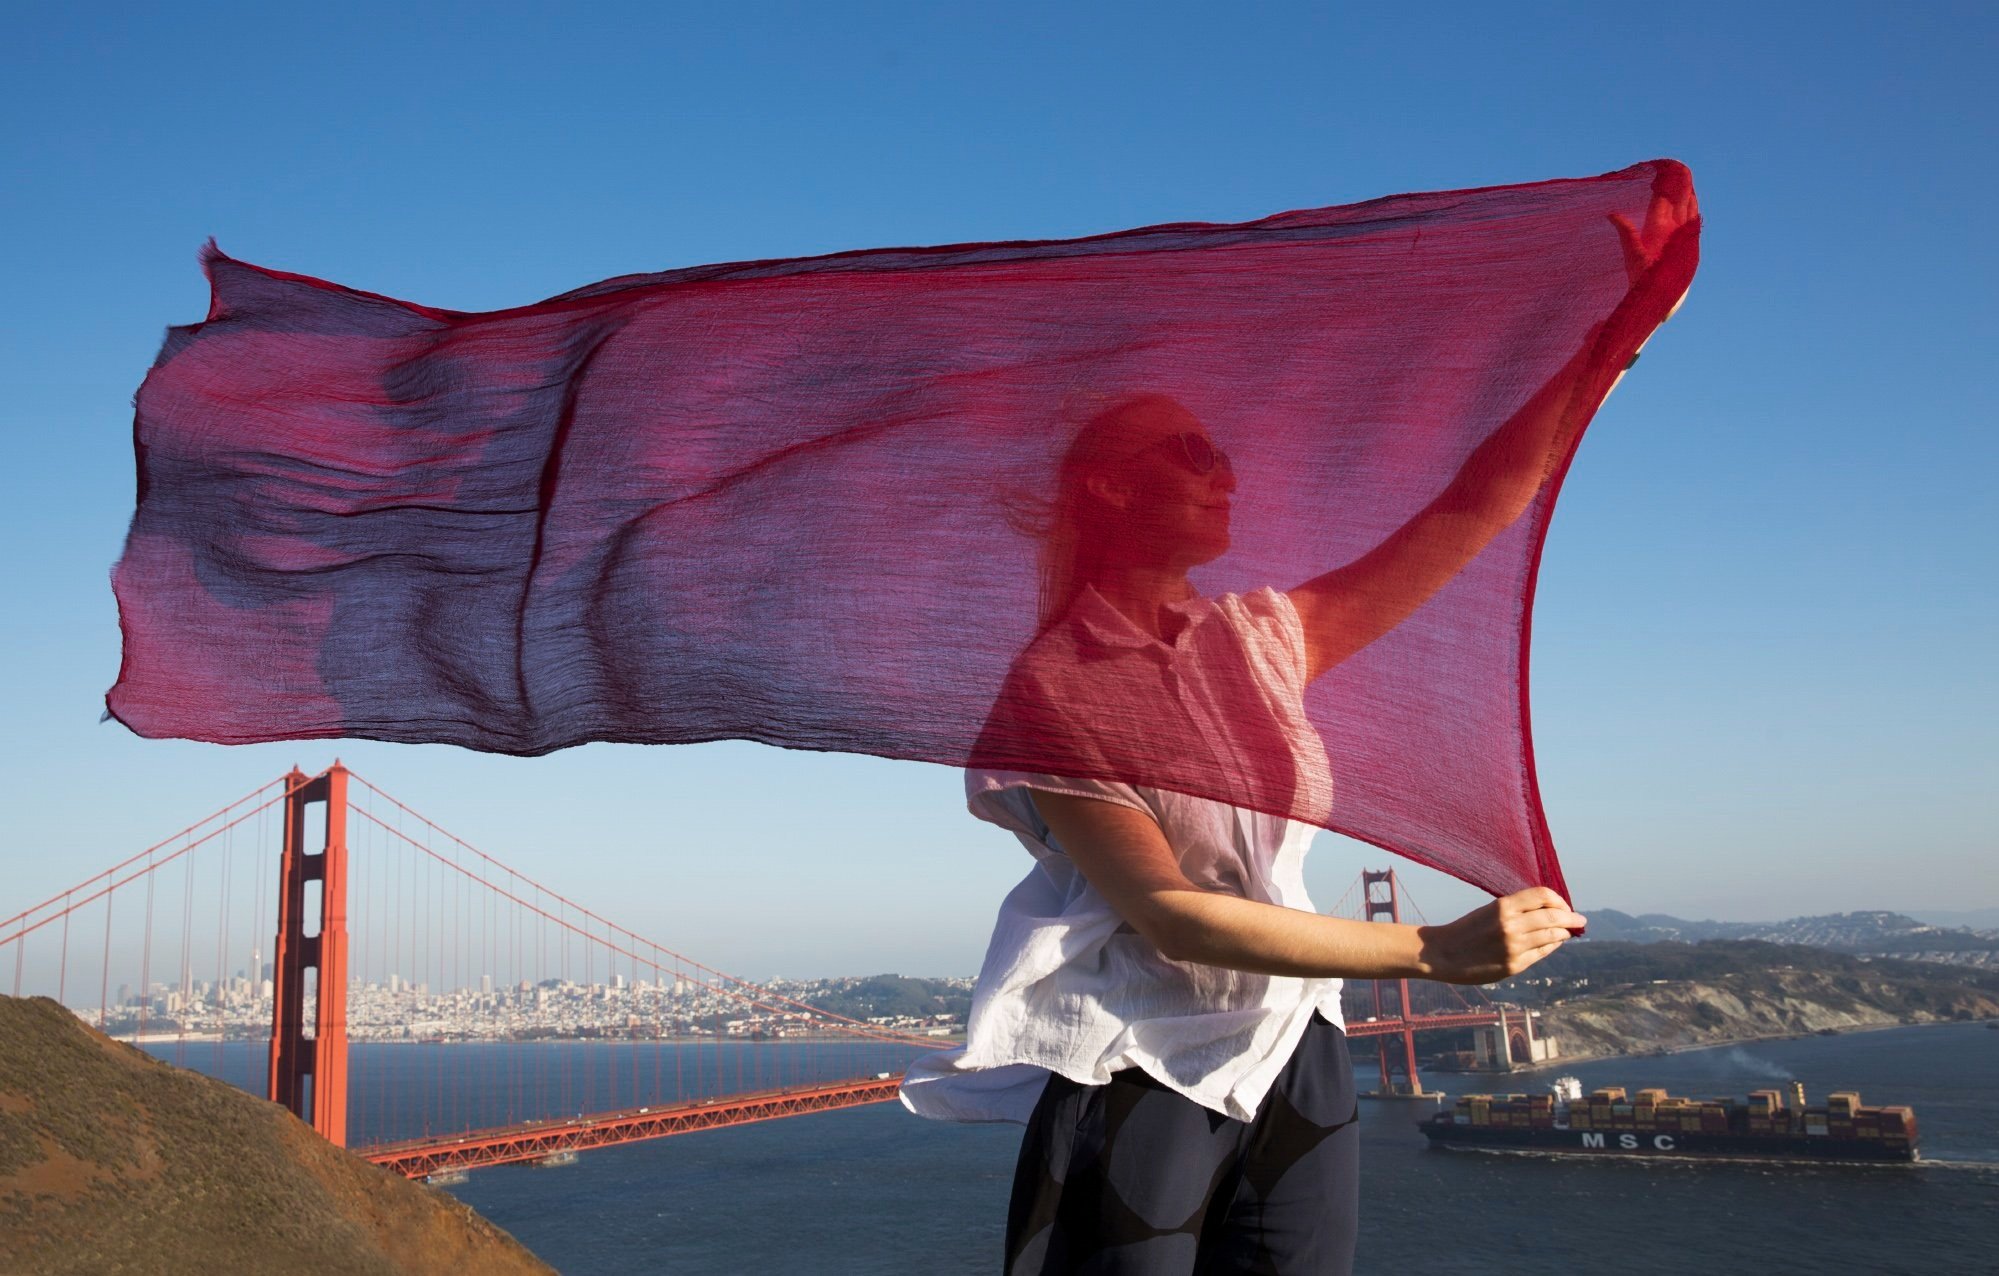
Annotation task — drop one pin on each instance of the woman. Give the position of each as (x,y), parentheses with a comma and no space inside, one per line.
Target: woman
(1160,1002)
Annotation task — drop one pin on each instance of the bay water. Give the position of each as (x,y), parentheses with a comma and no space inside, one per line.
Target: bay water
(878,1190)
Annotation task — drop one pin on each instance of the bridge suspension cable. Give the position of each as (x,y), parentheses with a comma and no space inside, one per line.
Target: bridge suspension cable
(472,1014)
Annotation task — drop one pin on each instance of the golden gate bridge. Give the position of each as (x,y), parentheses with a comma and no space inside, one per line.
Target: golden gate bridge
(552,1029)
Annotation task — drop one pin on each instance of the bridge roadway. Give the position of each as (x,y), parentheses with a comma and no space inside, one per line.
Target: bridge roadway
(539,1140)
(1421,1023)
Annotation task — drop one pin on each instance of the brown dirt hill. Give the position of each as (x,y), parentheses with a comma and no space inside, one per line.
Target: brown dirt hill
(111,1161)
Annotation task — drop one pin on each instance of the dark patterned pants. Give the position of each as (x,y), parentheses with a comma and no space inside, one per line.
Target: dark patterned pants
(1129,1177)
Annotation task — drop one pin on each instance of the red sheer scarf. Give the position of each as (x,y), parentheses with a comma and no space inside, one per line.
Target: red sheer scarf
(867,502)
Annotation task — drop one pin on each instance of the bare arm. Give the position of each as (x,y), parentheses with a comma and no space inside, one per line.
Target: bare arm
(1124,855)
(1349,607)
(1346,609)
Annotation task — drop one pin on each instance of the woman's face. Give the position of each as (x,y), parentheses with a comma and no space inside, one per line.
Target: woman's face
(1174,514)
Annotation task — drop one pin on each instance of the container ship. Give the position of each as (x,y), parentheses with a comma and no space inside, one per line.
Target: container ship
(1654,1123)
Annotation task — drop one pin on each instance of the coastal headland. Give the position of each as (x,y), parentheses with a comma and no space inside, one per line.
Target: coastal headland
(1608,999)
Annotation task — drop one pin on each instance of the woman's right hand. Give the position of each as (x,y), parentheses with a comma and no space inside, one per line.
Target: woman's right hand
(1501,939)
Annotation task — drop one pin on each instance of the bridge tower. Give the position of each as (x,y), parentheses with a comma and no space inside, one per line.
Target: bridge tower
(1383,904)
(309,1068)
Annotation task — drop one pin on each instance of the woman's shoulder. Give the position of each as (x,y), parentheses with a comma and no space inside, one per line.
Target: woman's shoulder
(1264,604)
(1006,798)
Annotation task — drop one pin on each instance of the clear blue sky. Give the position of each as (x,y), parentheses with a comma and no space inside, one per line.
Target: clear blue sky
(1763,675)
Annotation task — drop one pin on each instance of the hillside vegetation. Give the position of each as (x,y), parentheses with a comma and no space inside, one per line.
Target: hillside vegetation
(111,1161)
(873,996)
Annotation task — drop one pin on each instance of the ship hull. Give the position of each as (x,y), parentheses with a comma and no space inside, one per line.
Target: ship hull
(1630,1143)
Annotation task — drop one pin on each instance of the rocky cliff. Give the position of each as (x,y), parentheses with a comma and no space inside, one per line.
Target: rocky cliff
(111,1161)
(1682,1014)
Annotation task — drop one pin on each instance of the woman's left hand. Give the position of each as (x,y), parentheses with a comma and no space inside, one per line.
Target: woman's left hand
(1500,939)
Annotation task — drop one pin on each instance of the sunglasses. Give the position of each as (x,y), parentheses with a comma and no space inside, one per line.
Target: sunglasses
(1195,450)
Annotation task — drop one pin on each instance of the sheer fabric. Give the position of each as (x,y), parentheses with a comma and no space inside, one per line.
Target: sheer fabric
(831,502)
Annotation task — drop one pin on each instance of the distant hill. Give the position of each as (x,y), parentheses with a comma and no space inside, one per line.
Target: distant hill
(1622,998)
(111,1161)
(1595,967)
(1862,932)
(1970,918)
(876,996)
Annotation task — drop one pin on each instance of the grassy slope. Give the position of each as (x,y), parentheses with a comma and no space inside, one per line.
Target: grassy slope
(111,1161)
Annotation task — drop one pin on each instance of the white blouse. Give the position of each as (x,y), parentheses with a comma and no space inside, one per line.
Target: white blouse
(1067,985)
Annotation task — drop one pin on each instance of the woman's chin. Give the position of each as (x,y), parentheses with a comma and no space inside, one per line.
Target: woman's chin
(1212,548)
